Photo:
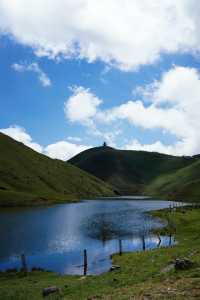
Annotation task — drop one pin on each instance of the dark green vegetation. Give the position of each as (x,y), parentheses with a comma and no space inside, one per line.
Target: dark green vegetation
(182,184)
(139,172)
(29,178)
(143,275)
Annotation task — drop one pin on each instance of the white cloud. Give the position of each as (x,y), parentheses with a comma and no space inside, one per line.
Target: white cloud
(81,106)
(64,150)
(173,106)
(126,33)
(33,67)
(61,150)
(178,148)
(147,117)
(19,134)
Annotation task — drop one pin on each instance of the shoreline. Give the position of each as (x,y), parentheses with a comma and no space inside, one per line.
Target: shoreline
(140,273)
(153,232)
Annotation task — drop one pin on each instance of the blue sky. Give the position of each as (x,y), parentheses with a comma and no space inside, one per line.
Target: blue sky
(74,84)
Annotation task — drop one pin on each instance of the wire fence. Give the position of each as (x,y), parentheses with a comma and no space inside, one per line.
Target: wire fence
(87,262)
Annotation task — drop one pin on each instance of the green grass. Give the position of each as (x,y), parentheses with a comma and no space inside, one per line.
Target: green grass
(132,172)
(183,184)
(141,274)
(29,178)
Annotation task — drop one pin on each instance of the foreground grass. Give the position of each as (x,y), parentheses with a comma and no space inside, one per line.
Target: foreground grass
(142,275)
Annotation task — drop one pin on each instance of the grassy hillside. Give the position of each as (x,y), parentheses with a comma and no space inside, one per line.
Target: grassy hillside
(130,172)
(182,184)
(27,177)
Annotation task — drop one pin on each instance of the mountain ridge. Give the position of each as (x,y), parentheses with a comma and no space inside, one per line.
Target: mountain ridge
(28,177)
(133,172)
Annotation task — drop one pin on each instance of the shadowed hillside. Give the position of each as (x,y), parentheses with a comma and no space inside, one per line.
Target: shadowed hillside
(29,177)
(182,184)
(130,172)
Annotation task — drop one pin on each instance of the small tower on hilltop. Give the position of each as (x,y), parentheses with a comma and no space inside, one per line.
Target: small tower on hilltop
(104,144)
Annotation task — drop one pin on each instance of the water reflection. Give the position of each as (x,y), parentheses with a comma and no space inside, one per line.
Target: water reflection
(122,224)
(54,238)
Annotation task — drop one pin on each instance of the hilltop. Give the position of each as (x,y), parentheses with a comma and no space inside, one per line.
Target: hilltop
(140,172)
(27,177)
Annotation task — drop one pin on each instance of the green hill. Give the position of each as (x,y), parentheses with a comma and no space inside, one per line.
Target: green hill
(27,177)
(182,184)
(136,172)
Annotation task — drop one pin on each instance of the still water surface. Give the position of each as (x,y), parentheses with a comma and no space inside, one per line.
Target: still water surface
(54,237)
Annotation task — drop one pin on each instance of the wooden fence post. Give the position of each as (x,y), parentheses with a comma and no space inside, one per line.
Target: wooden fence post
(24,264)
(143,243)
(159,241)
(120,247)
(170,239)
(85,262)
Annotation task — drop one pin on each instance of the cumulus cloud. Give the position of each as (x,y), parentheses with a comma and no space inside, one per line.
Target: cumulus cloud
(148,117)
(64,150)
(61,150)
(124,33)
(173,106)
(35,68)
(178,148)
(19,134)
(81,106)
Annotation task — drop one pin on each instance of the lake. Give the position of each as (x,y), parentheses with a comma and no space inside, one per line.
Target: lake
(54,238)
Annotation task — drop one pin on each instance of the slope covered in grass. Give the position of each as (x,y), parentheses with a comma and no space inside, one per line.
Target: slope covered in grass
(182,184)
(130,172)
(29,177)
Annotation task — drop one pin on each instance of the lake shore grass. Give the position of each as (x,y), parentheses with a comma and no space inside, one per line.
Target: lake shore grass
(142,275)
(21,199)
